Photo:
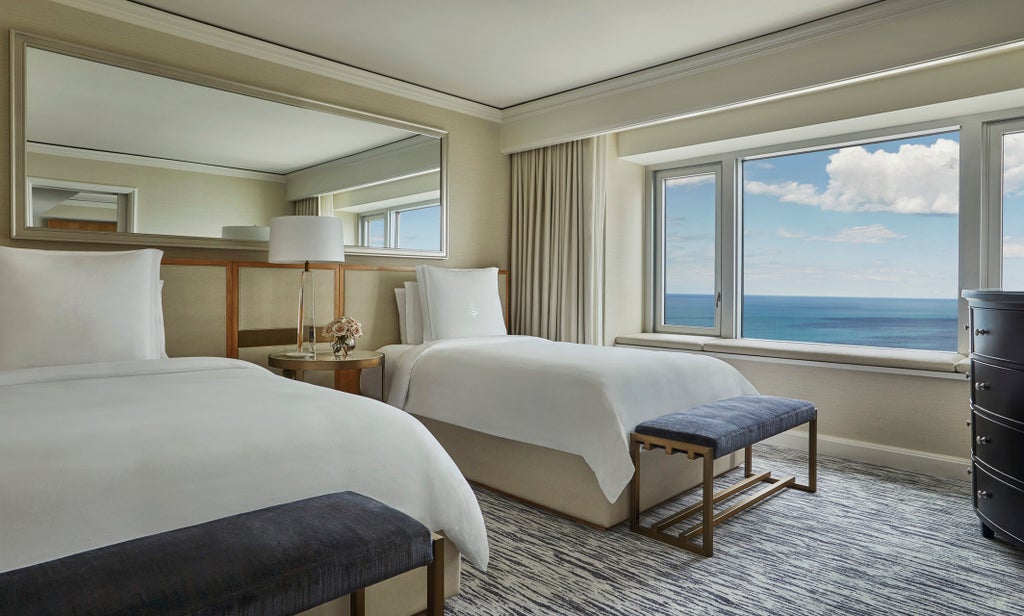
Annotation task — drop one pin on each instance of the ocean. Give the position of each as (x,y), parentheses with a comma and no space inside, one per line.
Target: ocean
(907,323)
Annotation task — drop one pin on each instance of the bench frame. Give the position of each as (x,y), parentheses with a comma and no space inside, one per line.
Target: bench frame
(435,585)
(709,519)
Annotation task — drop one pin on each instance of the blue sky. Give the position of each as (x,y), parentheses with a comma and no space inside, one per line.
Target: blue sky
(876,220)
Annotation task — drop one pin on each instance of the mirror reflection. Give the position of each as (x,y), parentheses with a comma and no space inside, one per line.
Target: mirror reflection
(118,150)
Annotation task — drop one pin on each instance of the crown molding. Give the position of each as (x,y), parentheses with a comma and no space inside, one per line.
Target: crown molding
(764,45)
(153,19)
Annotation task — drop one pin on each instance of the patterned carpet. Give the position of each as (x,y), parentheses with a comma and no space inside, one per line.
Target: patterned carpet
(871,541)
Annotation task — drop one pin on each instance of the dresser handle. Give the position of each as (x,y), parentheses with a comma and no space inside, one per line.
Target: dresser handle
(970,471)
(968,423)
(982,386)
(980,332)
(983,440)
(982,494)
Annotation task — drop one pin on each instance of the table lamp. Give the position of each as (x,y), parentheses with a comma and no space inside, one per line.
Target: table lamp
(306,239)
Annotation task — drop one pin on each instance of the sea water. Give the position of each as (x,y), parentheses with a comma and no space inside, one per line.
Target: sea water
(909,323)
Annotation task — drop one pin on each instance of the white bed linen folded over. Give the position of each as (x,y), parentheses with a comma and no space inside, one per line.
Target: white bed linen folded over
(97,454)
(581,399)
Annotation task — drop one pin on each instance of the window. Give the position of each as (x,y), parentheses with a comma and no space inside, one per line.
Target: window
(854,245)
(688,260)
(416,228)
(375,230)
(1009,165)
(410,227)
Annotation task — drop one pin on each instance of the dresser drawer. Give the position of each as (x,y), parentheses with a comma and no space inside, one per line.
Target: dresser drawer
(998,446)
(998,390)
(999,503)
(998,333)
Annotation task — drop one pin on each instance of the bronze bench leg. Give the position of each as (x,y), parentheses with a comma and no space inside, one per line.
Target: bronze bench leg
(357,603)
(435,580)
(812,459)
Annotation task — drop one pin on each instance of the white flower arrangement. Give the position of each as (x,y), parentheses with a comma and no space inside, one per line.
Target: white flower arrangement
(344,327)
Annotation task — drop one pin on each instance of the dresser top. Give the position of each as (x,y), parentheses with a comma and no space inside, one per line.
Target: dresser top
(995,296)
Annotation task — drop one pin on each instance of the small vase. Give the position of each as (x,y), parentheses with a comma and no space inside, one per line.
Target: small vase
(342,345)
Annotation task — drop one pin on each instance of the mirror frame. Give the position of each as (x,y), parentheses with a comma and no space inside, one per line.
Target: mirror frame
(20,229)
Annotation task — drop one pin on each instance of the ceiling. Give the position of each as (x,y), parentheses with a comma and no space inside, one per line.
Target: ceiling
(503,53)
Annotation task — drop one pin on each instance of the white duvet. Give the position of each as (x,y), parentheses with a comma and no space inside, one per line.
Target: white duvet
(96,454)
(581,399)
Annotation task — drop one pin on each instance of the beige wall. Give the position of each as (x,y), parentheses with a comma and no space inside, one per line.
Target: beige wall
(478,174)
(175,202)
(623,251)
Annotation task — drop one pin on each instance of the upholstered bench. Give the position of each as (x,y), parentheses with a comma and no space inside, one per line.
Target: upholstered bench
(711,431)
(279,560)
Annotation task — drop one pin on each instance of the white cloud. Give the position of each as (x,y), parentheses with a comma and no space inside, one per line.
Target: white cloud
(1013,247)
(869,234)
(789,235)
(916,179)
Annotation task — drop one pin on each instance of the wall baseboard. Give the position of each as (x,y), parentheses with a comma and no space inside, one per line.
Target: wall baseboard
(883,455)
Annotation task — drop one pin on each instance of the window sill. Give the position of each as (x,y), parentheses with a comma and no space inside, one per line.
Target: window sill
(903,359)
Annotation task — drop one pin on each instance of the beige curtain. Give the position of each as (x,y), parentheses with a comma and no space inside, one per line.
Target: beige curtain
(313,206)
(558,213)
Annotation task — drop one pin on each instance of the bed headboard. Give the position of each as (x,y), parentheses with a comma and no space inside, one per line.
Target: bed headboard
(247,310)
(370,299)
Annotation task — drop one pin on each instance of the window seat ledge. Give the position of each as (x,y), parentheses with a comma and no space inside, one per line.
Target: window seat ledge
(905,359)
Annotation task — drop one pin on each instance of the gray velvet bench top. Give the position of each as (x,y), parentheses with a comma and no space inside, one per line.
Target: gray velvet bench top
(710,431)
(274,561)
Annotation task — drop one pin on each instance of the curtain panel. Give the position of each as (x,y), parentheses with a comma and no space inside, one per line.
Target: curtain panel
(558,214)
(311,206)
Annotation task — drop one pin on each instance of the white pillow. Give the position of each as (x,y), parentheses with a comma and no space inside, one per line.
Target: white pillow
(413,314)
(76,307)
(159,335)
(400,300)
(459,303)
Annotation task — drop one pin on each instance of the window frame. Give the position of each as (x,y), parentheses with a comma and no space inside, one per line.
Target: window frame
(658,218)
(993,229)
(980,216)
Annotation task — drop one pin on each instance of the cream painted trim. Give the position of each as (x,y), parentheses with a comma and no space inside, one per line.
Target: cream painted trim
(146,161)
(934,464)
(719,58)
(963,56)
(174,25)
(948,367)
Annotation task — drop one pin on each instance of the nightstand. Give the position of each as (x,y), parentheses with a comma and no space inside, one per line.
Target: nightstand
(294,367)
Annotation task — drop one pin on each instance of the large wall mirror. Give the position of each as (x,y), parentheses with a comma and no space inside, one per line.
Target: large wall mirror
(111,149)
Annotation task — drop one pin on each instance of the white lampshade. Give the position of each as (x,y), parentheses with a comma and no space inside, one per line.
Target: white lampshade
(297,239)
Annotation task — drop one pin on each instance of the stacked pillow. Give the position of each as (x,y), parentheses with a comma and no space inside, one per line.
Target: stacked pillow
(450,303)
(76,307)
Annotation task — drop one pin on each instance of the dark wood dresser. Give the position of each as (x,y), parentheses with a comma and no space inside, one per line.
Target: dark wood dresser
(997,411)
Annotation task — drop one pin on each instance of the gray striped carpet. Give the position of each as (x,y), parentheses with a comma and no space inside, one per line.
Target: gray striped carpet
(871,541)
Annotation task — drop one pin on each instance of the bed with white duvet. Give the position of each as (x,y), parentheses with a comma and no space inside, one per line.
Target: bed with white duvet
(96,454)
(468,381)
(103,439)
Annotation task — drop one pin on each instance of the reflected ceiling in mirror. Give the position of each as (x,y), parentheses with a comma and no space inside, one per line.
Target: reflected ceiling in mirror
(202,158)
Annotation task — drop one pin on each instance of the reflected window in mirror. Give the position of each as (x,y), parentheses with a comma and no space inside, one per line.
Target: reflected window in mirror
(410,227)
